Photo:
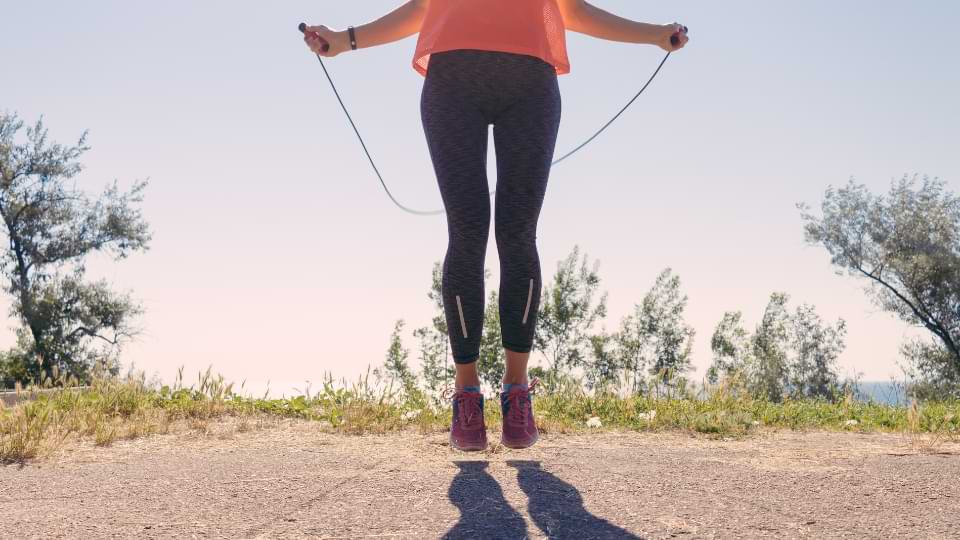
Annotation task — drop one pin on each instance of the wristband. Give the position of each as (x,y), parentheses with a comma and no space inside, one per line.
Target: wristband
(353,38)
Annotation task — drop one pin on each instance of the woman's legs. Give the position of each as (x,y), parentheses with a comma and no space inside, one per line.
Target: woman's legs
(464,92)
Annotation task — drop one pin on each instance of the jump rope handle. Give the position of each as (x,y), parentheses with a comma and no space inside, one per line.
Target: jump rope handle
(325,46)
(675,39)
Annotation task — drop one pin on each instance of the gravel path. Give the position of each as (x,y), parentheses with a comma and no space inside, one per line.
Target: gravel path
(293,481)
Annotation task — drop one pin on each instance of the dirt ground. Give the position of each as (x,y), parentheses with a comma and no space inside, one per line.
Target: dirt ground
(291,480)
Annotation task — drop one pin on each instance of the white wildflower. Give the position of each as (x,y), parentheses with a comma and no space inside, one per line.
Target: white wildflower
(755,423)
(594,422)
(851,423)
(411,415)
(647,416)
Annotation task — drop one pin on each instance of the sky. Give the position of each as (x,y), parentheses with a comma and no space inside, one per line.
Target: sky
(276,256)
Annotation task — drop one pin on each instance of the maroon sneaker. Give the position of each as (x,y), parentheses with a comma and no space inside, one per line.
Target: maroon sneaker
(519,427)
(467,431)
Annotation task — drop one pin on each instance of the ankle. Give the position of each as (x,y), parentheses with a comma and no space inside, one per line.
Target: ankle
(466,376)
(507,387)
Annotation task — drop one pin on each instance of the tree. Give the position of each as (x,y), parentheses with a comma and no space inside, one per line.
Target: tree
(906,244)
(670,338)
(567,314)
(731,347)
(491,364)
(768,369)
(604,369)
(931,370)
(634,348)
(70,325)
(395,367)
(815,348)
(790,355)
(654,339)
(435,366)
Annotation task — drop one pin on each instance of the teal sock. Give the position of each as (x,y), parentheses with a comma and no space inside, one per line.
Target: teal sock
(471,389)
(508,386)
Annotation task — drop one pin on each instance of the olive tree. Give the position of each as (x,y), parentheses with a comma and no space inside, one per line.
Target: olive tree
(906,245)
(69,324)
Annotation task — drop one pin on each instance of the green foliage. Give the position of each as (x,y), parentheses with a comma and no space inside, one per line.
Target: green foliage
(604,369)
(670,338)
(931,368)
(815,347)
(731,347)
(435,365)
(655,339)
(68,325)
(566,316)
(906,244)
(789,355)
(492,363)
(396,368)
(768,370)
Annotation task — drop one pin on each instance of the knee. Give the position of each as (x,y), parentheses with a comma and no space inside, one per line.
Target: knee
(513,236)
(468,244)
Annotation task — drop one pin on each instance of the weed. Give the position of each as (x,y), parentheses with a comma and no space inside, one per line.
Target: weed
(128,408)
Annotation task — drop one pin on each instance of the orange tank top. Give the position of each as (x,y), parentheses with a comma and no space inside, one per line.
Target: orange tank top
(532,27)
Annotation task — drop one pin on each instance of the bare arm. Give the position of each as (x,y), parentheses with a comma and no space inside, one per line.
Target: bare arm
(403,21)
(585,18)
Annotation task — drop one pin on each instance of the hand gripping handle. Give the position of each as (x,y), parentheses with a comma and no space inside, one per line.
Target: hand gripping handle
(675,39)
(325,46)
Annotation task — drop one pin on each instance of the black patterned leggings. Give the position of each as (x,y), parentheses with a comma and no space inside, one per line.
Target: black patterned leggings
(464,91)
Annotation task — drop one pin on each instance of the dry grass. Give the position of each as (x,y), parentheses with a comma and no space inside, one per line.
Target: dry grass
(930,427)
(113,409)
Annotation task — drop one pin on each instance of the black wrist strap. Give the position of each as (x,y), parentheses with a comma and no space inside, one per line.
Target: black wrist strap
(353,38)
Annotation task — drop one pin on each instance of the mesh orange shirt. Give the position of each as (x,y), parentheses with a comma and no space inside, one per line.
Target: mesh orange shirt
(532,27)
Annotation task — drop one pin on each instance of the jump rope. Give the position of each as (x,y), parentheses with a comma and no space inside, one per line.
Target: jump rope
(675,40)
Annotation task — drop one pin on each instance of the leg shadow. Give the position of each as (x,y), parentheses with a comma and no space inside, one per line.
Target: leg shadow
(484,512)
(557,507)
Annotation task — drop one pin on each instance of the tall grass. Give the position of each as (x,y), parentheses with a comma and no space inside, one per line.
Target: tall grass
(128,407)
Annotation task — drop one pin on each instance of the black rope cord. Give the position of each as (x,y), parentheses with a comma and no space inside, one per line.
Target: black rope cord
(438,212)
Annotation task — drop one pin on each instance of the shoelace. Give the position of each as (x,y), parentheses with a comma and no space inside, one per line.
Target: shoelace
(518,404)
(517,407)
(469,409)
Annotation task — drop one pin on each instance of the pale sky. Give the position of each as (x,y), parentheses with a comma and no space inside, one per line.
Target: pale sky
(277,256)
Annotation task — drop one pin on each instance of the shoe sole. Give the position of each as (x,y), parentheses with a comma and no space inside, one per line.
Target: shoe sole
(518,445)
(468,448)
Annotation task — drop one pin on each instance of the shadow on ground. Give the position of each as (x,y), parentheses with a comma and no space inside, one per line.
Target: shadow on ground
(484,512)
(555,506)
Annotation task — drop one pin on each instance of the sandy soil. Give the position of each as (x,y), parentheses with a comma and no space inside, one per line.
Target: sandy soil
(291,480)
